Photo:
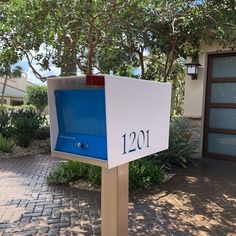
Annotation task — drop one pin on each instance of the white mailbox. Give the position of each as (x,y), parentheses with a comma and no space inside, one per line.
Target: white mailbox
(108,120)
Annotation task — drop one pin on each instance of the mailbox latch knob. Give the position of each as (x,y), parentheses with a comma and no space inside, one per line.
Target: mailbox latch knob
(81,145)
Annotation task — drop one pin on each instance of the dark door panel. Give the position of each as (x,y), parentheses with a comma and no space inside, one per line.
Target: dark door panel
(220,109)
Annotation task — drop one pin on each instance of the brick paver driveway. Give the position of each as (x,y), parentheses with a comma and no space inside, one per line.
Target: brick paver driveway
(197,201)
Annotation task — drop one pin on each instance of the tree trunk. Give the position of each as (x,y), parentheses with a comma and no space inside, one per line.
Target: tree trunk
(90,61)
(141,61)
(173,96)
(3,90)
(68,66)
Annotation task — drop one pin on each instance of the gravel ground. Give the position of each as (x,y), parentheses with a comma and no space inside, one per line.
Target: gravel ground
(36,147)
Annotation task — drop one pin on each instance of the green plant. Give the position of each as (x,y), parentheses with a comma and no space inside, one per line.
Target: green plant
(15,108)
(43,133)
(6,144)
(24,126)
(68,172)
(37,96)
(4,122)
(181,147)
(144,173)
(94,175)
(7,58)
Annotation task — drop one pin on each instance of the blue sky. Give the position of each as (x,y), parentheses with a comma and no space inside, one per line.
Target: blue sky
(54,71)
(30,75)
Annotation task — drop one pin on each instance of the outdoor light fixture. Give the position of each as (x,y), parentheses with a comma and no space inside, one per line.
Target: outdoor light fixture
(43,79)
(192,68)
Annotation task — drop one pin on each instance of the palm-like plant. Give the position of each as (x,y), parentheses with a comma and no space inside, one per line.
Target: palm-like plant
(7,72)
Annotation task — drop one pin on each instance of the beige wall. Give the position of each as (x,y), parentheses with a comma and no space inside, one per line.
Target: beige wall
(8,99)
(195,89)
(19,83)
(194,101)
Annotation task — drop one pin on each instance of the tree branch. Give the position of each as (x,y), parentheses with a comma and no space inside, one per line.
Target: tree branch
(80,66)
(100,70)
(38,76)
(155,60)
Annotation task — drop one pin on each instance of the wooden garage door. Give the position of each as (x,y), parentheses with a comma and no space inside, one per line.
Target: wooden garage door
(220,113)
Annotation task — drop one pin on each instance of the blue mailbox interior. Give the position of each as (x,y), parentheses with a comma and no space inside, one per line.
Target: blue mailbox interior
(82,122)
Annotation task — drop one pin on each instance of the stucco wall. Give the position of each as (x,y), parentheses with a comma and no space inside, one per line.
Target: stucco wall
(194,100)
(16,88)
(18,83)
(195,89)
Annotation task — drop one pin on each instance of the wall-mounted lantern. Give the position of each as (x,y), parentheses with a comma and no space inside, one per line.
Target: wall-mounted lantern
(193,67)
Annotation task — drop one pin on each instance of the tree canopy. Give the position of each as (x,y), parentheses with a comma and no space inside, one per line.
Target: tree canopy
(37,96)
(113,35)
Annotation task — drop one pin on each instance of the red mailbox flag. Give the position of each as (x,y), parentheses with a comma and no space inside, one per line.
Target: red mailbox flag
(95,80)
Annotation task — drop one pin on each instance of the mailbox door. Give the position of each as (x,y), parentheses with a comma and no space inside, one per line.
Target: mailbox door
(82,122)
(85,145)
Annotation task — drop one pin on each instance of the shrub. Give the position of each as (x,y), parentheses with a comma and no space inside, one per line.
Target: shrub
(37,96)
(6,144)
(43,133)
(94,174)
(181,148)
(25,125)
(4,122)
(143,173)
(15,108)
(67,173)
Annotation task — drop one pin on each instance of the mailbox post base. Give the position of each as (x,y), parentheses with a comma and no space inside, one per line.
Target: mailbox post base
(114,201)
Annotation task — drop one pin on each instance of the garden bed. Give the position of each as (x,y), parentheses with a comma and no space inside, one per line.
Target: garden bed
(36,147)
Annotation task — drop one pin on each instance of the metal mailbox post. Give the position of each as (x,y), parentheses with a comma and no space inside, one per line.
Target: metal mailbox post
(109,121)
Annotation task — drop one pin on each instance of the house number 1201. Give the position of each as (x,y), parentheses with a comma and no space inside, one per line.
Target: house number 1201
(135,141)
